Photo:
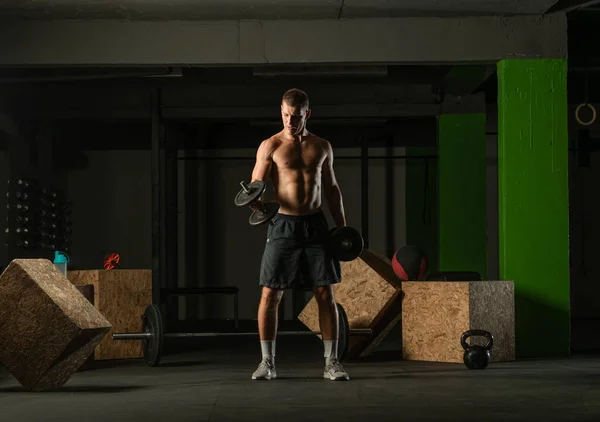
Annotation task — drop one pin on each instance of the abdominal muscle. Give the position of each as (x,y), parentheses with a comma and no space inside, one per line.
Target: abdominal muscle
(298,191)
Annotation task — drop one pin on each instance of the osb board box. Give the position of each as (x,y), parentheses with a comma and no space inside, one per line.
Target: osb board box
(121,296)
(48,328)
(87,290)
(368,289)
(436,313)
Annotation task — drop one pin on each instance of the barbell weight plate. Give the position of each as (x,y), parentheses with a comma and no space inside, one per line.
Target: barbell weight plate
(255,190)
(346,243)
(153,323)
(344,333)
(261,217)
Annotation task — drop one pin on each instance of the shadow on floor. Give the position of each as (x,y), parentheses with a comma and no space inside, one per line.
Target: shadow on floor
(77,389)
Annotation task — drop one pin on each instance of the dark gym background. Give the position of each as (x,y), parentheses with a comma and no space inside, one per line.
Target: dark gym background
(91,136)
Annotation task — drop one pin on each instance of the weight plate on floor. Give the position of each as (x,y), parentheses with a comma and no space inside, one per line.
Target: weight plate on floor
(153,324)
(259,217)
(344,334)
(255,190)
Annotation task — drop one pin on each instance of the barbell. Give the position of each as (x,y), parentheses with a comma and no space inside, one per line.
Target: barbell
(152,335)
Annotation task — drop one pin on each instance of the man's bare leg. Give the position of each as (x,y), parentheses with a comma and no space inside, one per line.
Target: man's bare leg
(328,321)
(268,310)
(267,328)
(328,315)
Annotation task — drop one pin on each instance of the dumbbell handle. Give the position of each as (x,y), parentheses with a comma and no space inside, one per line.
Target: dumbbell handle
(263,209)
(246,190)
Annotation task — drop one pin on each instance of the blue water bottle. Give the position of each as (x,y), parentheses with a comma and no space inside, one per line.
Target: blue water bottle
(61,260)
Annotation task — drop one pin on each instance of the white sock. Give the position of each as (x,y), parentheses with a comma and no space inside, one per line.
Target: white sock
(331,349)
(268,349)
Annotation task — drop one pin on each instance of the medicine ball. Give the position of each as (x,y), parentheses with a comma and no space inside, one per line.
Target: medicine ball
(409,263)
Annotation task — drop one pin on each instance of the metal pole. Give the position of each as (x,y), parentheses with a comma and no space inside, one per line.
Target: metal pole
(146,336)
(171,220)
(364,172)
(156,214)
(132,336)
(390,206)
(365,331)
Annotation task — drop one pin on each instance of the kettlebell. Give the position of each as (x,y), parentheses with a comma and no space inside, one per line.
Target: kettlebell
(475,356)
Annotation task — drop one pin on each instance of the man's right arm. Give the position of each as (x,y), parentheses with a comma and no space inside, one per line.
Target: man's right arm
(263,165)
(264,162)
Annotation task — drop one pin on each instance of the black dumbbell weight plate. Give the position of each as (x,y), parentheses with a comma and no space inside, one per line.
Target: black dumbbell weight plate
(346,243)
(255,190)
(153,324)
(271,208)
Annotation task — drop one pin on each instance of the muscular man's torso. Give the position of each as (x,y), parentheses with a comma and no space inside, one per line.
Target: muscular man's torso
(296,173)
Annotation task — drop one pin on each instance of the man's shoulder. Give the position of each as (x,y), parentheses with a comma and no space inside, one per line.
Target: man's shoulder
(271,142)
(319,140)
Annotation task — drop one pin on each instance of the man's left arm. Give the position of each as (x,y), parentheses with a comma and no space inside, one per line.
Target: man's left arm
(331,189)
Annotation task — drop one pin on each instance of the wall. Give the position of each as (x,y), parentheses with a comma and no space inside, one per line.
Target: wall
(217,246)
(584,226)
(111,210)
(248,42)
(3,202)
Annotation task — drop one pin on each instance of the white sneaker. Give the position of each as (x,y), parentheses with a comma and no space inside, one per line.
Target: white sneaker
(335,371)
(265,370)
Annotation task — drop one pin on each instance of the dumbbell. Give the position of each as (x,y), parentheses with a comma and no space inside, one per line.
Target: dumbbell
(346,243)
(250,194)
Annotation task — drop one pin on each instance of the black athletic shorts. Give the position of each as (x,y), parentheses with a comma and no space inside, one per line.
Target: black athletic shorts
(296,253)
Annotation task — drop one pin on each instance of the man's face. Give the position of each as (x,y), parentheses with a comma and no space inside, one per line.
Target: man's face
(294,118)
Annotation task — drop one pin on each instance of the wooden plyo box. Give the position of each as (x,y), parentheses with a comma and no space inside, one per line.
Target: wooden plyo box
(87,290)
(368,292)
(436,313)
(121,296)
(49,328)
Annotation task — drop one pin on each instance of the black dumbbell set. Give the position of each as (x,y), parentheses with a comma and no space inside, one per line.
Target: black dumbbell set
(39,216)
(345,243)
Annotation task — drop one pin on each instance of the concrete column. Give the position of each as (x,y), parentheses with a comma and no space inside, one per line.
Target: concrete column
(534,201)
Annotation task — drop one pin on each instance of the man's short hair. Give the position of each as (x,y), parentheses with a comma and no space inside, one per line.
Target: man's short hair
(296,98)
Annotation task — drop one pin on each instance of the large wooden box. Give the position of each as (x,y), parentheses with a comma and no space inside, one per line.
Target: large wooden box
(436,313)
(369,292)
(48,328)
(87,290)
(121,296)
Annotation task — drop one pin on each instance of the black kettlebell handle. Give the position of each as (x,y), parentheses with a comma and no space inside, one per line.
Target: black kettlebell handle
(469,333)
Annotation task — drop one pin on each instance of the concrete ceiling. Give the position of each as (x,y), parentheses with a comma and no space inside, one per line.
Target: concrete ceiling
(261,9)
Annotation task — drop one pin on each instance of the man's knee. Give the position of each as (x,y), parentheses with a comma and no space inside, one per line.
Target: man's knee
(324,295)
(271,297)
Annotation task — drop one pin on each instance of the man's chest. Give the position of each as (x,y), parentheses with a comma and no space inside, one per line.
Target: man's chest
(298,156)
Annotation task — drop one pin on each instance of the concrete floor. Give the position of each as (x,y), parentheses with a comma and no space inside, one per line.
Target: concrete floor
(212,383)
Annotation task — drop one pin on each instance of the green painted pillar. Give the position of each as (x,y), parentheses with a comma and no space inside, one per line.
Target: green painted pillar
(422,201)
(462,192)
(533,201)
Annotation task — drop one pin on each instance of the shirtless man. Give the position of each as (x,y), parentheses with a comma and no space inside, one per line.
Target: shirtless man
(300,167)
